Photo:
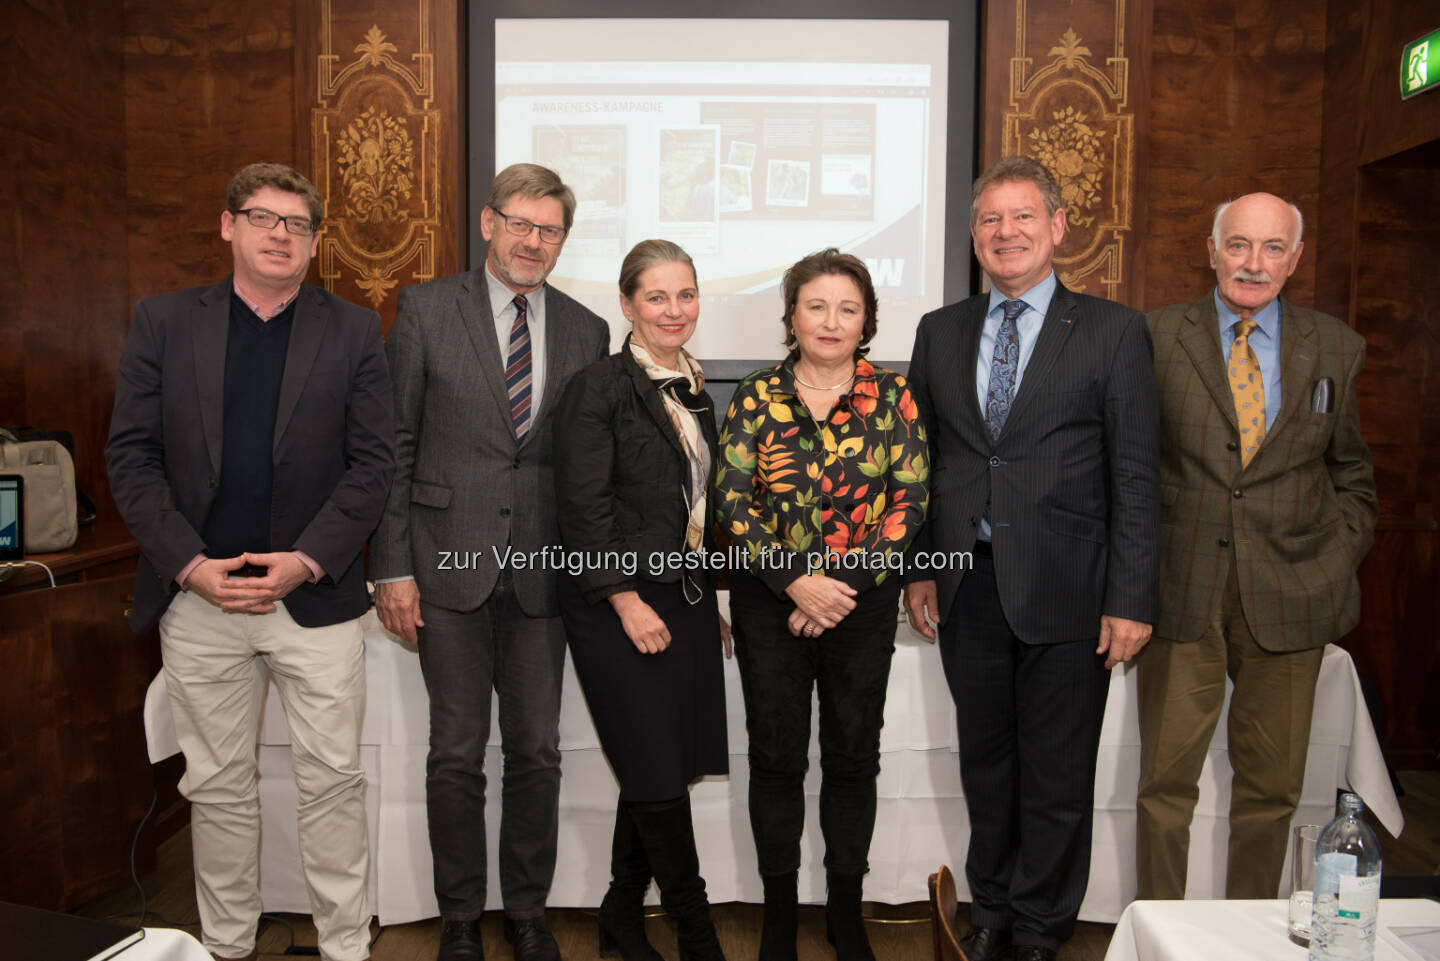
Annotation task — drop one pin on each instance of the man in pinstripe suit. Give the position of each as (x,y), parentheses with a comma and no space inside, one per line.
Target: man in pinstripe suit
(1045,449)
(1269,506)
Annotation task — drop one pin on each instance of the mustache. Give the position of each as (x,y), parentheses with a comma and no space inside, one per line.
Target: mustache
(1252,276)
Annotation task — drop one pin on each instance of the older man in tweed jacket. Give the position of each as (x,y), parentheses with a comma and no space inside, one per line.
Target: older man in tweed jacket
(1268,508)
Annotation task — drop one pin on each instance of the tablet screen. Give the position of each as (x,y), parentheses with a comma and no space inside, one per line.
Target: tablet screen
(12,543)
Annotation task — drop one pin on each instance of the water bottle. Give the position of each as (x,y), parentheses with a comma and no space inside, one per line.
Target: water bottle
(1347,887)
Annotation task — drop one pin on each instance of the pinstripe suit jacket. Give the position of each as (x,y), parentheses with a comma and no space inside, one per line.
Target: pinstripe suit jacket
(1072,480)
(464,489)
(1300,517)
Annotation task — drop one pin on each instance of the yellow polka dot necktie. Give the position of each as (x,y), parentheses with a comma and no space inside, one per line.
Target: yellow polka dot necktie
(1248,389)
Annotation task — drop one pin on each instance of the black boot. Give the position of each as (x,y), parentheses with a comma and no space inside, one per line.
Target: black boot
(777,936)
(844,927)
(669,838)
(622,912)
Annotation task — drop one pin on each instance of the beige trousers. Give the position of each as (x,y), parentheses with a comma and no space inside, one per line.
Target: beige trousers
(1181,691)
(215,695)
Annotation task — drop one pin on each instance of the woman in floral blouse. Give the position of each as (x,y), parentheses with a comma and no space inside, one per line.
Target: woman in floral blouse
(823,478)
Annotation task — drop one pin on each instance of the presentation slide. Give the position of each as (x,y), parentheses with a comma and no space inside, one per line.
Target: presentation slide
(748,142)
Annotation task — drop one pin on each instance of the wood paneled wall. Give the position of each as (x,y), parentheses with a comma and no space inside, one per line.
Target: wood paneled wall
(1183,103)
(116,155)
(1378,255)
(63,269)
(1301,99)
(122,124)
(1061,83)
(378,114)
(1395,295)
(1233,102)
(209,87)
(1377,251)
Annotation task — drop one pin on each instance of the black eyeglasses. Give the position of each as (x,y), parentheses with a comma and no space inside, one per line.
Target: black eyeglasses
(266,219)
(521,228)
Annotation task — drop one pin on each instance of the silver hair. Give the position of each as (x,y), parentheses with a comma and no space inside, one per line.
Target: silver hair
(1220,212)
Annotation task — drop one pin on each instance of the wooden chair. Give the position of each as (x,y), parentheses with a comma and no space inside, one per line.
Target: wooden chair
(942,916)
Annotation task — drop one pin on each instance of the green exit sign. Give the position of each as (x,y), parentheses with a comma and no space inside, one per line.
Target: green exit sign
(1420,65)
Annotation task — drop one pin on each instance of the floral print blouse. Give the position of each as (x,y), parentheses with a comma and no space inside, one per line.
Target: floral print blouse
(845,495)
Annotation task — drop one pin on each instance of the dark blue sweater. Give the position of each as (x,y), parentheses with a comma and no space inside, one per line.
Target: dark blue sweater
(239,519)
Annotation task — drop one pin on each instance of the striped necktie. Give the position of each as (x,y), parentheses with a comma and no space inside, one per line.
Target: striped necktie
(517,369)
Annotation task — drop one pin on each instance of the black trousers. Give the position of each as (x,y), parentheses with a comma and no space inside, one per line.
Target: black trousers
(1029,721)
(464,655)
(850,666)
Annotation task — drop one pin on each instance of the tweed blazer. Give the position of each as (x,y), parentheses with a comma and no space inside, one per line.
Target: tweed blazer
(334,448)
(1072,479)
(465,491)
(1298,519)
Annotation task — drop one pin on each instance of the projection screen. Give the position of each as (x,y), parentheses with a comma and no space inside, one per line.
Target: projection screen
(750,142)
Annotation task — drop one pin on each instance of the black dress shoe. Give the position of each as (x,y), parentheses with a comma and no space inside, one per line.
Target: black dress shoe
(1033,952)
(460,941)
(531,939)
(986,944)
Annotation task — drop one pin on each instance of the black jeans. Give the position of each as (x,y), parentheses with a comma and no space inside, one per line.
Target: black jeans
(463,656)
(850,666)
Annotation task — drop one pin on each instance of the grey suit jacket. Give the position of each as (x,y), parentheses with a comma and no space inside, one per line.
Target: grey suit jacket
(1072,480)
(464,490)
(1298,518)
(334,443)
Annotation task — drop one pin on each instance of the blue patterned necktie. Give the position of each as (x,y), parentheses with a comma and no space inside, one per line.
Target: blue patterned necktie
(517,369)
(1004,366)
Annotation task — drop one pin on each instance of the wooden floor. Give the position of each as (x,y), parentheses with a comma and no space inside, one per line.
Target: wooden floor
(897,933)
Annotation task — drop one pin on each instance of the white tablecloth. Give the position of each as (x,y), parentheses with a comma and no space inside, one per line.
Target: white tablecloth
(1246,930)
(164,944)
(922,819)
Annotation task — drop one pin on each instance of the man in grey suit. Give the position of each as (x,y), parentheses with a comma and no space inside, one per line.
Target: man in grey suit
(1045,451)
(479,360)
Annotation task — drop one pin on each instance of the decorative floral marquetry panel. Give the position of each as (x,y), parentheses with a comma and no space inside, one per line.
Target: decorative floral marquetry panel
(1070,110)
(375,136)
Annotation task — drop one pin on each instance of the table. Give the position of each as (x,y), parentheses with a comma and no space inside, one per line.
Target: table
(1244,930)
(165,944)
(74,778)
(922,819)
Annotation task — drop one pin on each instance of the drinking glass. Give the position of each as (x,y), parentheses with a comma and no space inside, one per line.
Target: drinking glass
(1302,880)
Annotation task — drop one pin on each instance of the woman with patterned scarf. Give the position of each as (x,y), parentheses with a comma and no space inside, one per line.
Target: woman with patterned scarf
(634,455)
(824,480)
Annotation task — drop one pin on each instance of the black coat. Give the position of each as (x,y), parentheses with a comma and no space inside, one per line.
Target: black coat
(620,473)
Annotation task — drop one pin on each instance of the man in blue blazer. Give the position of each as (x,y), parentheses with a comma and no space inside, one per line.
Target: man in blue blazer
(1045,452)
(251,451)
